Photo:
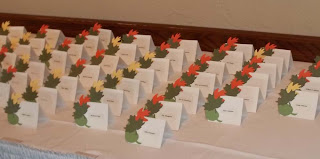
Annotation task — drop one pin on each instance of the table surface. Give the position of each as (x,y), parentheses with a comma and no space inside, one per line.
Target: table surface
(264,134)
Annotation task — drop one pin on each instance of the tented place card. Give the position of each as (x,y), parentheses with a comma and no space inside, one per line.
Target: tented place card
(58,60)
(247,50)
(127,54)
(176,57)
(92,44)
(191,49)
(23,49)
(161,68)
(3,40)
(19,82)
(304,105)
(279,61)
(97,116)
(105,36)
(109,64)
(250,97)
(146,77)
(37,44)
(286,54)
(36,71)
(47,99)
(114,99)
(313,85)
(219,69)
(144,43)
(205,82)
(67,88)
(234,61)
(171,112)
(16,32)
(151,133)
(74,53)
(89,75)
(28,114)
(270,69)
(131,89)
(54,37)
(189,97)
(4,94)
(260,80)
(9,60)
(230,111)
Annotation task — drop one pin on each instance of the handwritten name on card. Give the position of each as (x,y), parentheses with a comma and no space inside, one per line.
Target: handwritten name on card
(91,45)
(58,60)
(250,97)
(144,43)
(304,105)
(176,59)
(67,88)
(19,82)
(161,68)
(151,133)
(130,88)
(234,61)
(37,45)
(36,71)
(47,99)
(189,97)
(146,77)
(191,49)
(230,112)
(105,36)
(247,50)
(171,112)
(114,99)
(97,116)
(28,114)
(89,75)
(127,53)
(4,94)
(313,85)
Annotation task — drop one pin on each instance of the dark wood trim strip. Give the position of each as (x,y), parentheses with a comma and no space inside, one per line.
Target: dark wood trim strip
(304,48)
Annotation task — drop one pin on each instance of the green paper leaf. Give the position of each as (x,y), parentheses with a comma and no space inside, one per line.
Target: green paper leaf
(79,110)
(11,108)
(145,64)
(29,95)
(76,71)
(217,56)
(133,125)
(8,46)
(239,76)
(315,72)
(4,32)
(39,35)
(21,42)
(231,92)
(52,82)
(188,79)
(172,92)
(110,82)
(65,48)
(95,96)
(159,53)
(91,32)
(5,76)
(268,53)
(22,67)
(173,44)
(96,61)
(80,39)
(286,97)
(127,39)
(212,103)
(45,56)
(127,74)
(301,81)
(2,56)
(203,66)
(153,108)
(112,50)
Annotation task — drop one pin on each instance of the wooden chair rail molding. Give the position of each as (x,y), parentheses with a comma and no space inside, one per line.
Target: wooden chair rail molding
(304,48)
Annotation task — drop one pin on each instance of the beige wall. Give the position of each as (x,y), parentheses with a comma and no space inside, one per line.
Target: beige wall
(300,17)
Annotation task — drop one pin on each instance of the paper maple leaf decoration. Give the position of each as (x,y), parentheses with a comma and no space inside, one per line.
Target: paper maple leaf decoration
(25,39)
(42,31)
(97,59)
(174,41)
(81,108)
(95,92)
(53,79)
(146,60)
(65,45)
(12,108)
(31,92)
(113,46)
(128,38)
(82,37)
(5,28)
(95,29)
(46,55)
(219,54)
(113,79)
(142,114)
(213,102)
(77,68)
(23,63)
(131,71)
(7,74)
(3,53)
(315,68)
(174,89)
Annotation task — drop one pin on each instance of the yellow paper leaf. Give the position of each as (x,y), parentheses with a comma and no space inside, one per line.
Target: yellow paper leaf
(26,36)
(57,73)
(116,41)
(34,85)
(293,87)
(259,53)
(149,55)
(25,58)
(48,48)
(133,66)
(117,74)
(98,85)
(15,98)
(5,25)
(14,43)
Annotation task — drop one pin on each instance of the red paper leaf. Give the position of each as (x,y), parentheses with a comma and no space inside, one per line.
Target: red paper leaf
(66,42)
(84,100)
(164,46)
(84,33)
(179,82)
(217,93)
(193,70)
(141,114)
(204,59)
(256,60)
(43,29)
(157,98)
(96,27)
(232,41)
(317,65)
(133,33)
(175,38)
(235,83)
(3,50)
(100,53)
(304,74)
(270,46)
(80,62)
(224,48)
(246,70)
(11,69)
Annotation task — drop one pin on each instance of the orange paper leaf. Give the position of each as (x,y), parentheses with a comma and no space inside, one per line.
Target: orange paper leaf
(100,53)
(175,38)
(270,46)
(204,58)
(179,82)
(217,93)
(164,46)
(84,100)
(235,83)
(141,114)
(157,98)
(193,70)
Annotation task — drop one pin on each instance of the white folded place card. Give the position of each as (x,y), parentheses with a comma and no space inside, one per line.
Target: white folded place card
(250,97)
(9,60)
(279,61)
(109,64)
(47,99)
(130,88)
(191,49)
(37,44)
(271,70)
(161,68)
(89,75)
(219,69)
(74,53)
(19,82)
(176,57)
(67,88)
(16,32)
(3,40)
(189,97)
(127,53)
(22,49)
(304,105)
(230,112)
(36,71)
(205,82)
(170,112)
(54,37)
(97,116)
(151,133)
(260,80)
(234,61)
(58,60)
(313,85)
(286,54)
(146,77)
(105,36)
(114,99)
(28,114)
(144,43)
(4,94)
(247,50)
(92,44)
